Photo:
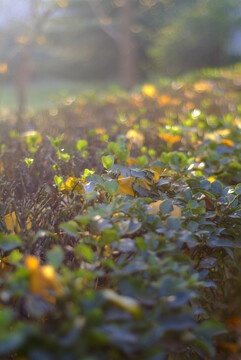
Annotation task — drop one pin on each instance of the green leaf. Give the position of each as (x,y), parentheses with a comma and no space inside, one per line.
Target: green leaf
(10,242)
(142,160)
(29,161)
(85,251)
(15,257)
(216,188)
(70,227)
(210,328)
(109,236)
(55,256)
(111,187)
(107,161)
(173,223)
(166,207)
(63,156)
(81,145)
(56,142)
(122,152)
(6,317)
(238,189)
(87,172)
(124,302)
(58,181)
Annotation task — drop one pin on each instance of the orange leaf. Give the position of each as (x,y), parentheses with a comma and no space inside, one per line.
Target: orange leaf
(131,161)
(3,68)
(231,347)
(163,99)
(172,139)
(226,142)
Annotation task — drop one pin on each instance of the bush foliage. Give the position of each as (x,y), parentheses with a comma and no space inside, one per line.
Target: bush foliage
(120,226)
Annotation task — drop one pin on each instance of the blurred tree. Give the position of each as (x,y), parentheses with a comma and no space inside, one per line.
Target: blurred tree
(22,34)
(23,59)
(194,36)
(124,37)
(126,27)
(110,39)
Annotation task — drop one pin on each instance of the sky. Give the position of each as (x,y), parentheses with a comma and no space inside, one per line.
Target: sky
(12,9)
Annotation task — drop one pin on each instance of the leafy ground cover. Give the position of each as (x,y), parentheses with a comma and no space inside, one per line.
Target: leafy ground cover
(120,226)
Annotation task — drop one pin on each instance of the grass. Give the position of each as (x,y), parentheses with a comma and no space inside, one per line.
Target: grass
(46,94)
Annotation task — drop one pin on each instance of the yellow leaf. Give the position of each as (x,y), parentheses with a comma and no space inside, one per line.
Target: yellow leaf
(43,280)
(149,90)
(157,169)
(4,266)
(210,136)
(176,212)
(135,137)
(202,86)
(73,184)
(107,251)
(3,68)
(211,179)
(12,223)
(124,302)
(223,132)
(156,176)
(155,208)
(125,185)
(146,184)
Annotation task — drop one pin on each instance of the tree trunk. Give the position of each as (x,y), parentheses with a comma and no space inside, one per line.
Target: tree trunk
(24,66)
(22,78)
(127,48)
